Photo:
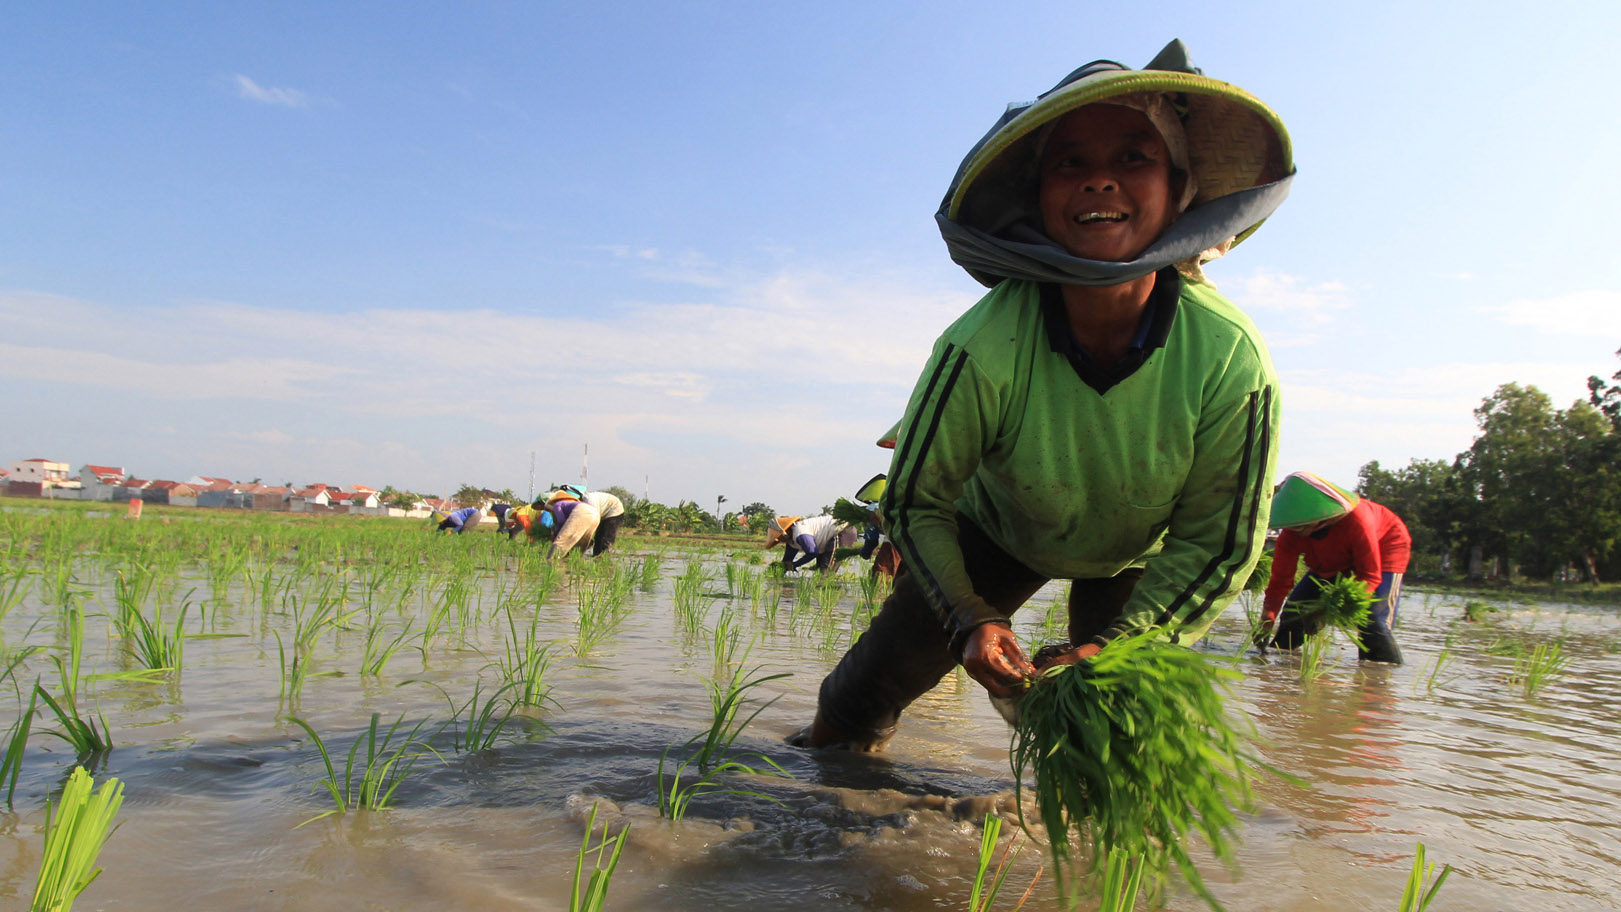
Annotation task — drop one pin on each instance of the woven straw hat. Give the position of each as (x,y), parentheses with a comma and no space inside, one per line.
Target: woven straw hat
(1235,143)
(778,530)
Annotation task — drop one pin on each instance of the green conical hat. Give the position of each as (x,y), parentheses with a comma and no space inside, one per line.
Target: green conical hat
(873,489)
(1304,498)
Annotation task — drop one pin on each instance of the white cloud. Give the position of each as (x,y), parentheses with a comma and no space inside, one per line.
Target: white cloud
(799,364)
(275,379)
(270,95)
(1308,304)
(1335,420)
(1595,312)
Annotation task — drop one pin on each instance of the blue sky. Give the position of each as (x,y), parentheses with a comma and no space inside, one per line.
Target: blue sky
(412,243)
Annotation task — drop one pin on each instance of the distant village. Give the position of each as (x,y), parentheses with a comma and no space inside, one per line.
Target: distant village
(56,480)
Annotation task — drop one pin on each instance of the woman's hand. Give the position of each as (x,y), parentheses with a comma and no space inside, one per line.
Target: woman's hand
(991,656)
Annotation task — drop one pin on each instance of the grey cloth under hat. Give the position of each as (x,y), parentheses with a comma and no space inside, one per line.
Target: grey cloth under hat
(1240,163)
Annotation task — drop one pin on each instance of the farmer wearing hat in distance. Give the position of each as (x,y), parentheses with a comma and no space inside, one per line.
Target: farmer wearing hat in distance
(523,519)
(461,520)
(1336,532)
(574,520)
(1102,415)
(805,539)
(612,511)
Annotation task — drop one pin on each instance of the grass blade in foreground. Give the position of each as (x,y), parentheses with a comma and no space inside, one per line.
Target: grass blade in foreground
(984,894)
(1134,747)
(1416,898)
(596,890)
(74,836)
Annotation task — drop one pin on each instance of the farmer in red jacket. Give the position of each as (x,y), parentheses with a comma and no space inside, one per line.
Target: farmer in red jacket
(1336,532)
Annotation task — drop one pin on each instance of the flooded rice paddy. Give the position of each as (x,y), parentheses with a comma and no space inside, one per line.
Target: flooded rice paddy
(1518,792)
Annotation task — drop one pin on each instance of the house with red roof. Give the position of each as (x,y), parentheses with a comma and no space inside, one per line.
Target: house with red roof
(98,481)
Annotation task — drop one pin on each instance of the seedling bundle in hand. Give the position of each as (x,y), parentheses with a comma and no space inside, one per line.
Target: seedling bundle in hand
(1133,747)
(1343,603)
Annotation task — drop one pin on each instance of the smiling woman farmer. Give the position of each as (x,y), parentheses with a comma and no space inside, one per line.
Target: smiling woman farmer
(1102,414)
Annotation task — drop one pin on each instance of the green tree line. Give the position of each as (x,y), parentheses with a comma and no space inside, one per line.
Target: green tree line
(1538,493)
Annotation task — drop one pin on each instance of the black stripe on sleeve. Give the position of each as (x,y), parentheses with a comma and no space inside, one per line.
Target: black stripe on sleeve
(902,490)
(1246,502)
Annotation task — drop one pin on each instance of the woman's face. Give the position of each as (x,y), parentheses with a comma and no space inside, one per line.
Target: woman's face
(1105,183)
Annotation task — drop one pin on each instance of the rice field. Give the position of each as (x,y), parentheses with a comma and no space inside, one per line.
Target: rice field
(353,713)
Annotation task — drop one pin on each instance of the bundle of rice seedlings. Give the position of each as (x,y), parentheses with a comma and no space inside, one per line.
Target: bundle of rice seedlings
(1134,748)
(1261,575)
(75,831)
(848,511)
(1343,603)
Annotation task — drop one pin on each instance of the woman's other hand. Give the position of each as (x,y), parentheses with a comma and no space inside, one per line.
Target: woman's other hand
(991,656)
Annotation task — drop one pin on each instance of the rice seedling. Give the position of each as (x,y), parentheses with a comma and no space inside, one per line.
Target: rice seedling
(1430,674)
(1135,747)
(1535,671)
(1477,611)
(11,764)
(524,663)
(378,650)
(687,591)
(14,584)
(386,764)
(710,752)
(82,733)
(600,617)
(676,797)
(148,642)
(595,891)
(982,895)
(76,829)
(727,699)
(1262,573)
(1314,650)
(1501,647)
(1122,879)
(1421,890)
(648,573)
(484,718)
(724,641)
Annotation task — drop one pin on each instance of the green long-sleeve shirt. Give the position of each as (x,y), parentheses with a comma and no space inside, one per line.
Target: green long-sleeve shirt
(1169,468)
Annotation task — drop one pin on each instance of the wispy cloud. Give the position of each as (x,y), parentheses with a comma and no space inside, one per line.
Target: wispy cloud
(270,95)
(1587,313)
(1305,303)
(1335,419)
(789,365)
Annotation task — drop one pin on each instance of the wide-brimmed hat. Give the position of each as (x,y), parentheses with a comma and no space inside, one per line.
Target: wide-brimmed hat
(1305,499)
(1239,159)
(778,529)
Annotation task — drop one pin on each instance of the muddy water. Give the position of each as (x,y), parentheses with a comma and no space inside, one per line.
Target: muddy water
(1520,795)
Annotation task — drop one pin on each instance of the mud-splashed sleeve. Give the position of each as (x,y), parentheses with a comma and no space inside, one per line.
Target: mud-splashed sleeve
(950,421)
(1218,526)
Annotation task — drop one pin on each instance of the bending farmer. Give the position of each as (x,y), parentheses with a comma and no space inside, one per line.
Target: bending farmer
(1336,532)
(462,520)
(574,520)
(808,539)
(1101,415)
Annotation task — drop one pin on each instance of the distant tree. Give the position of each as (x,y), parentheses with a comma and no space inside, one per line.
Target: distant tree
(1606,397)
(1423,494)
(758,513)
(1545,481)
(393,497)
(468,495)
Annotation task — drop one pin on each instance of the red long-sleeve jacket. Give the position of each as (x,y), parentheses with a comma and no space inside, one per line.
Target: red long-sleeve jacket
(1368,541)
